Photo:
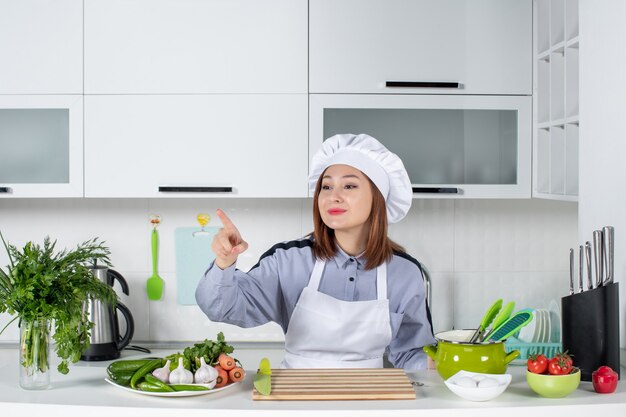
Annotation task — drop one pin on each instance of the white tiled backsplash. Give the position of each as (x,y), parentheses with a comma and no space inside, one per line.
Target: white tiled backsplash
(476,251)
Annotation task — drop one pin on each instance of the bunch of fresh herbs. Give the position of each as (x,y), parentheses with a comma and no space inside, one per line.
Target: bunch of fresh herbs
(210,350)
(40,284)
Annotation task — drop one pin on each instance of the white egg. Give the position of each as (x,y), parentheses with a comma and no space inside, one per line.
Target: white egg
(478,378)
(466,382)
(488,383)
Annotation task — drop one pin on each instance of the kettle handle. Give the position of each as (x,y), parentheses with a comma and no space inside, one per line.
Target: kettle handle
(130,326)
(112,275)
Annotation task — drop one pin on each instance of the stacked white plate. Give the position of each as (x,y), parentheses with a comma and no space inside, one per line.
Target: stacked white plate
(539,330)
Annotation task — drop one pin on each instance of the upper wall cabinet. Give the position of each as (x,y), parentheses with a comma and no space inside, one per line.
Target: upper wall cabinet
(421,46)
(41,47)
(41,145)
(195,46)
(197,145)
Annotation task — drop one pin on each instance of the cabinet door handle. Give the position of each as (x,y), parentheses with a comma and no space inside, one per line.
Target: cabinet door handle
(435,190)
(6,190)
(422,84)
(180,189)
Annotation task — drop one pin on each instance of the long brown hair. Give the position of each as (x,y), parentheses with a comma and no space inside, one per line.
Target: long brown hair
(379,248)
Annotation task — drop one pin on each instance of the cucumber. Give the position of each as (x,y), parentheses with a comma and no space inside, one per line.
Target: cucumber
(124,366)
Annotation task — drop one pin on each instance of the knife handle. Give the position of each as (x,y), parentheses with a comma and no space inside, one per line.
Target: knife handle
(598,254)
(608,244)
(581,267)
(571,271)
(589,274)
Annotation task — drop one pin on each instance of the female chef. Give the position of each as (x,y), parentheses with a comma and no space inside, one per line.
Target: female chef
(345,294)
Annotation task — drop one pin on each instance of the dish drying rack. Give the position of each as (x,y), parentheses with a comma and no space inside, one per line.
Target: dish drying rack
(527,349)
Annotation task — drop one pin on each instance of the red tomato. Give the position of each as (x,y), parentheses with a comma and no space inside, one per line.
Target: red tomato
(604,380)
(559,366)
(537,363)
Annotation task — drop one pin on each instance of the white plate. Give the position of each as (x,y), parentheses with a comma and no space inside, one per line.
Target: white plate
(548,329)
(555,321)
(527,332)
(541,338)
(173,394)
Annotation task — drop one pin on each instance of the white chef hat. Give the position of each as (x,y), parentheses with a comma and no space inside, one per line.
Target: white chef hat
(368,155)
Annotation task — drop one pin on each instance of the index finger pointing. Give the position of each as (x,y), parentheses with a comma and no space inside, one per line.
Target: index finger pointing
(226,222)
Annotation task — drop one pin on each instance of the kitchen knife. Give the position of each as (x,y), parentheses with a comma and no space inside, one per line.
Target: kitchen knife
(598,254)
(608,244)
(571,271)
(581,267)
(589,275)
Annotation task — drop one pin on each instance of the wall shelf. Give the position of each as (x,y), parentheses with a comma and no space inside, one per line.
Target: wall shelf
(556,99)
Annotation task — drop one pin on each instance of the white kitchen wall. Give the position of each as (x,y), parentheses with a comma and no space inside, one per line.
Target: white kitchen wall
(602,145)
(476,251)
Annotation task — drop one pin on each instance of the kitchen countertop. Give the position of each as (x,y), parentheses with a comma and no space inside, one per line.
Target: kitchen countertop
(84,391)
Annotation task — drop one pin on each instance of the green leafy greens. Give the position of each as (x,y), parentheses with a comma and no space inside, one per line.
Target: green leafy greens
(210,350)
(41,284)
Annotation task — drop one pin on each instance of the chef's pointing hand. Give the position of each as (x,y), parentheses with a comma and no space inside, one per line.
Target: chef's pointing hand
(227,243)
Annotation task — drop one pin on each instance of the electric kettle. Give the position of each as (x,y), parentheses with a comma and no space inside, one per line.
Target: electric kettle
(105,341)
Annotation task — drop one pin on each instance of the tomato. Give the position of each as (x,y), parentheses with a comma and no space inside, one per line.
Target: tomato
(537,363)
(559,365)
(604,380)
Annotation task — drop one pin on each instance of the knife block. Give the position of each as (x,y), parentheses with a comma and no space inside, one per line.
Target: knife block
(590,328)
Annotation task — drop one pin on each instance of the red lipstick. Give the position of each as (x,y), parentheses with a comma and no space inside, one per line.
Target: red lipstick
(335,211)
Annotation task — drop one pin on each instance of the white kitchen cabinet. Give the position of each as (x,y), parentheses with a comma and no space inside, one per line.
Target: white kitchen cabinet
(195,46)
(357,46)
(41,47)
(196,145)
(556,118)
(452,146)
(41,146)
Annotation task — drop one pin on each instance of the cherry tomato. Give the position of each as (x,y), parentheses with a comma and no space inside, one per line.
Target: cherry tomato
(604,380)
(537,363)
(559,366)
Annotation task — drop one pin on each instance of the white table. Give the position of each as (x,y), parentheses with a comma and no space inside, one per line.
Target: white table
(83,392)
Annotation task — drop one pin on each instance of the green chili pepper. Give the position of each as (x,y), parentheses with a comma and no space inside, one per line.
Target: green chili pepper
(144,386)
(151,379)
(187,387)
(145,369)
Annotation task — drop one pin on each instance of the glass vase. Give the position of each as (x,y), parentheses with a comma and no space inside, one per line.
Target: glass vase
(34,354)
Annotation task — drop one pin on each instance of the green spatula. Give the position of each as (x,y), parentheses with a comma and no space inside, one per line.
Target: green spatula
(513,324)
(486,321)
(154,285)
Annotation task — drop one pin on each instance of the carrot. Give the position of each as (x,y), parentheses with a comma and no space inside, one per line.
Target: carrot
(236,374)
(226,362)
(222,377)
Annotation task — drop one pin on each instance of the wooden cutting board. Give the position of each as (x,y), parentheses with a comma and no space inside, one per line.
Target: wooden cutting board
(338,384)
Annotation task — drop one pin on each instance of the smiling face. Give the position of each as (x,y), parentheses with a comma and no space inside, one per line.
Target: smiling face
(345,199)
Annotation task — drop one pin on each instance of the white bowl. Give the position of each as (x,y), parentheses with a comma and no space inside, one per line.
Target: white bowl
(477,393)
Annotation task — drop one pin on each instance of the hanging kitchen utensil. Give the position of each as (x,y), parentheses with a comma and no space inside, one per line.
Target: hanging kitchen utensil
(203,219)
(154,285)
(608,245)
(512,325)
(502,316)
(599,256)
(486,321)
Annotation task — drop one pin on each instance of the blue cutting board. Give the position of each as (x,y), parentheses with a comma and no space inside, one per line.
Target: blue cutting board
(193,256)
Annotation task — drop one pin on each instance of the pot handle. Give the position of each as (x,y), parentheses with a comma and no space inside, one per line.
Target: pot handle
(431,351)
(511,355)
